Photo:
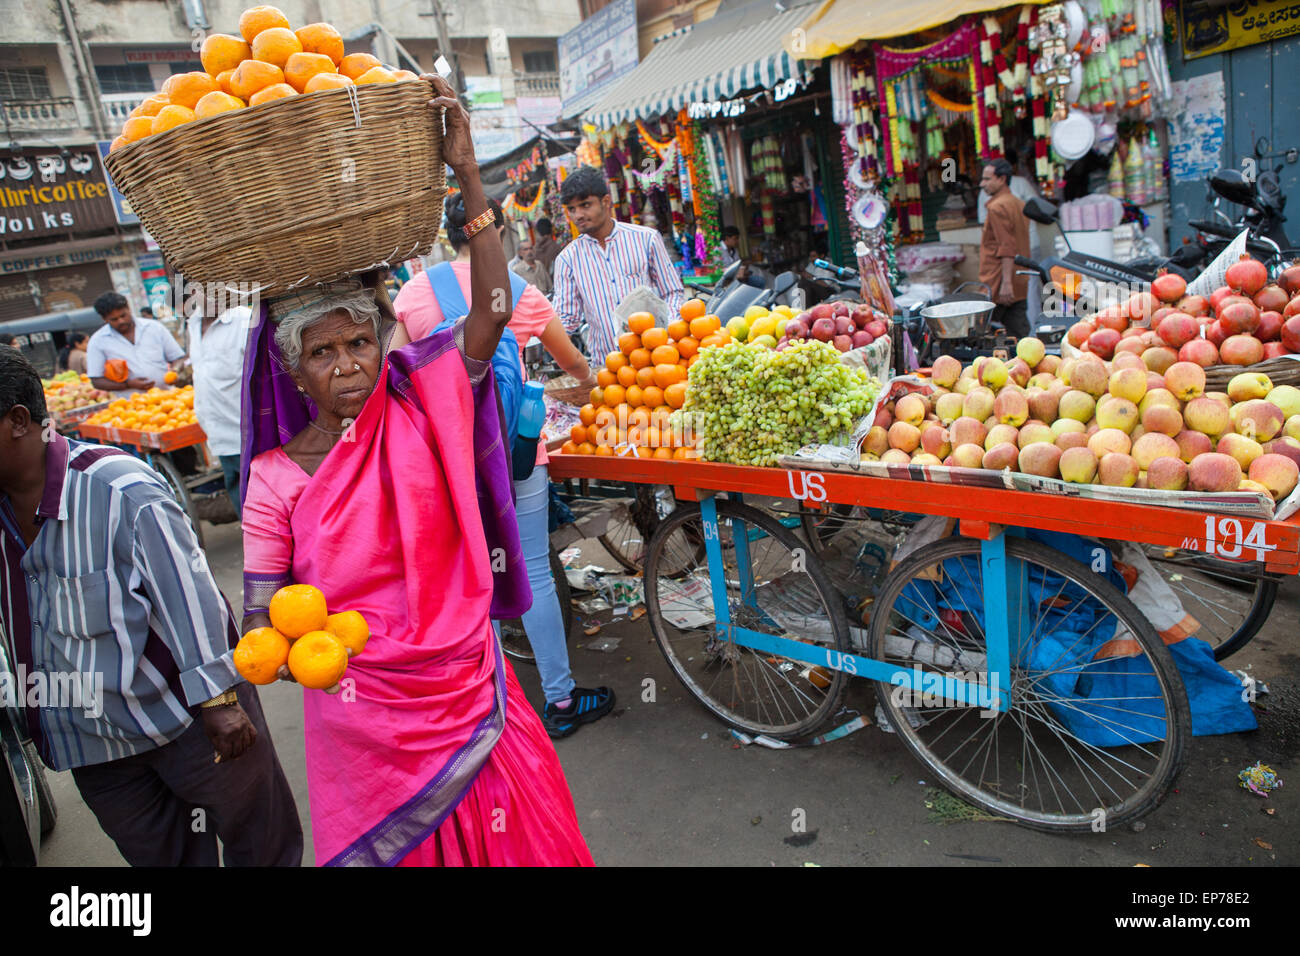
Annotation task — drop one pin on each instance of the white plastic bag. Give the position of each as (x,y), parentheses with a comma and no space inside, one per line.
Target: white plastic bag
(642,299)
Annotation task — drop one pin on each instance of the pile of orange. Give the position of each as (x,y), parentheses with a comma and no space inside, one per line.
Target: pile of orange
(157,410)
(303,634)
(642,384)
(267,61)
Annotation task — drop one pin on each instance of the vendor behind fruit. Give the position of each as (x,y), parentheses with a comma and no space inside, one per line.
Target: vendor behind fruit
(129,354)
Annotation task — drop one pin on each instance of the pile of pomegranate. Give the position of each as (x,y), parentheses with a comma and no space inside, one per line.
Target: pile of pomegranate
(1245,321)
(845,325)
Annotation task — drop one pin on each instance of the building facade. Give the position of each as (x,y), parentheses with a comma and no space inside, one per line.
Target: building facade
(71,73)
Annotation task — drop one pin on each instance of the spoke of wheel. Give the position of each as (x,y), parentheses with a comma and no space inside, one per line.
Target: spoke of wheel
(1085,769)
(1111,724)
(1028,737)
(1069,751)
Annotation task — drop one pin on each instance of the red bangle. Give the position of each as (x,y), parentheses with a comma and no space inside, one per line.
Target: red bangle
(479,223)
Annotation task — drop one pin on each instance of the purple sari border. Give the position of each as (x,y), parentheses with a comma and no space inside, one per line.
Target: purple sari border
(441,795)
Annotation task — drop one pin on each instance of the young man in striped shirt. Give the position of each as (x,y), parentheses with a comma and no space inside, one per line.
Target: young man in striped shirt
(120,645)
(594,273)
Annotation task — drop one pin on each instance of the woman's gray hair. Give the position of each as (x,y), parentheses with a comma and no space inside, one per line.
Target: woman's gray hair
(295,314)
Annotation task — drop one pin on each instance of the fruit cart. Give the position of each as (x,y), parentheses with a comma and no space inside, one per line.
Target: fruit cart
(1028,682)
(179,455)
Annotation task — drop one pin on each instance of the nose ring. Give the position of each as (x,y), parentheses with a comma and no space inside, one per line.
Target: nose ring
(337,371)
(356,366)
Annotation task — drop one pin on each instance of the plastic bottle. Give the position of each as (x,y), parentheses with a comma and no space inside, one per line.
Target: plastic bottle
(1115,178)
(1160,192)
(1134,176)
(532,415)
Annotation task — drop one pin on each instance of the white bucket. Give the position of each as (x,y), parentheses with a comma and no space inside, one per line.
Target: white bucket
(1099,243)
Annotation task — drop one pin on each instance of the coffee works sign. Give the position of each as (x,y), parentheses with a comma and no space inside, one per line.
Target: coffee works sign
(44,193)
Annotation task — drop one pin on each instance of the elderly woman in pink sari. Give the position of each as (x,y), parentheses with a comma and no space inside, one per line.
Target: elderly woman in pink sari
(384,481)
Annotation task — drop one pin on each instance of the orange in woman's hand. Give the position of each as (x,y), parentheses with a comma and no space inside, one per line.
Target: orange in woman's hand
(317,660)
(260,654)
(351,628)
(298,608)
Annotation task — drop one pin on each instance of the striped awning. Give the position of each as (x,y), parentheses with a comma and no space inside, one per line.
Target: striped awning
(720,58)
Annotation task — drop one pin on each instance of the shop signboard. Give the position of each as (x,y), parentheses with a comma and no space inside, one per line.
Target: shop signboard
(484,93)
(596,53)
(539,110)
(121,206)
(176,55)
(45,193)
(157,287)
(1212,27)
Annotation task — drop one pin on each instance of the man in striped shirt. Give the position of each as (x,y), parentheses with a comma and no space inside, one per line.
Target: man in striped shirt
(120,648)
(594,273)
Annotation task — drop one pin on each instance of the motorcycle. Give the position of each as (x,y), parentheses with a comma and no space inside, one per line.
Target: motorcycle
(730,297)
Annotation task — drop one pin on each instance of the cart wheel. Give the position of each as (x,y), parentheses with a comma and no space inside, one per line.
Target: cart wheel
(1085,740)
(1231,599)
(626,538)
(821,526)
(784,593)
(514,639)
(176,482)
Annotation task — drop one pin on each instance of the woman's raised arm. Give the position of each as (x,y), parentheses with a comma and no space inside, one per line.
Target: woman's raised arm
(490,295)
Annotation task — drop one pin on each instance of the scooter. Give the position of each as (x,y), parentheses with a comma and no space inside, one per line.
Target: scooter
(730,297)
(1263,201)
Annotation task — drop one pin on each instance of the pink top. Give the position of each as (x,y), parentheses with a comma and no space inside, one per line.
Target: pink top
(417,308)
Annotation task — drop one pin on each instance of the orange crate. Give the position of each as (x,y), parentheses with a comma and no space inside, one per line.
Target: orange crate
(169,440)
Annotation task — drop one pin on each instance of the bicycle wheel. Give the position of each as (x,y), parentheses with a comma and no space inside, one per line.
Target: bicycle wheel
(514,637)
(1231,599)
(176,482)
(627,536)
(782,593)
(820,526)
(1098,722)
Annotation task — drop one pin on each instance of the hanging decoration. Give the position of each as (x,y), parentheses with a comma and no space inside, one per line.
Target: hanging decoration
(707,239)
(658,178)
(658,147)
(522,171)
(514,209)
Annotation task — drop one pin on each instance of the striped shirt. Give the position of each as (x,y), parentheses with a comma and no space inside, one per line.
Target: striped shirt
(114,594)
(590,281)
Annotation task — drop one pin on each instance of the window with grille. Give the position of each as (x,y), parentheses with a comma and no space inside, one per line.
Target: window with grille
(131,78)
(539,61)
(26,83)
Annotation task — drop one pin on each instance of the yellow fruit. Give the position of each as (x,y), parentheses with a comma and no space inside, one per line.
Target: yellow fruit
(376,74)
(275,46)
(301,67)
(755,312)
(327,81)
(256,19)
(321,38)
(272,92)
(211,105)
(137,127)
(253,75)
(317,660)
(298,608)
(351,628)
(223,80)
(188,88)
(355,64)
(169,117)
(221,52)
(764,325)
(401,75)
(151,106)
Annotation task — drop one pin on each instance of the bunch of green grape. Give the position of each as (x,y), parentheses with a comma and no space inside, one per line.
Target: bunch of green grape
(750,405)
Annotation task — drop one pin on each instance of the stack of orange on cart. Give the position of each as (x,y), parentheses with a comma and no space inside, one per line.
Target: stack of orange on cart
(642,384)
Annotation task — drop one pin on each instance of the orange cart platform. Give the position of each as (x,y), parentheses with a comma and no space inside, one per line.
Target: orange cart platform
(980,510)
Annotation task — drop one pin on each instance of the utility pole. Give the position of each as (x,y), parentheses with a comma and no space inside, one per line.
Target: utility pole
(444,43)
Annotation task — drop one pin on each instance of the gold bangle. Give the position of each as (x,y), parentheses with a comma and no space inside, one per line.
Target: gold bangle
(221,700)
(479,223)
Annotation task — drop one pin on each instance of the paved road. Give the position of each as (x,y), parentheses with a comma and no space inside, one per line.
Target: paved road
(663,783)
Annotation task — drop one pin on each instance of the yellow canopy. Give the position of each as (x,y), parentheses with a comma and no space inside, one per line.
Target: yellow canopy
(838,24)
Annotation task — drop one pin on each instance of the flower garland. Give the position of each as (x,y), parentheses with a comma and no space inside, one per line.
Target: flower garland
(658,147)
(866,106)
(984,78)
(658,178)
(708,237)
(515,210)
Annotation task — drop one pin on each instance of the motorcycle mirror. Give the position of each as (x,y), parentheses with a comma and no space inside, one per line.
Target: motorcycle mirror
(1040,210)
(783,283)
(1234,187)
(729,273)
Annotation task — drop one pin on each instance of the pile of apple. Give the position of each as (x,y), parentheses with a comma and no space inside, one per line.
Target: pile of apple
(69,396)
(1090,421)
(845,325)
(1247,320)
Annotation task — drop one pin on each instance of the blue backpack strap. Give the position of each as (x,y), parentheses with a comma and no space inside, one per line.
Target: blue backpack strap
(506,367)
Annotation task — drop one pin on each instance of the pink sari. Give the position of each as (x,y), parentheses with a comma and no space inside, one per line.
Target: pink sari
(431,754)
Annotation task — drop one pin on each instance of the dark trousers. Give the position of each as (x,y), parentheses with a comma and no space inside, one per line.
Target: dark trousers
(230,473)
(1014,318)
(168,806)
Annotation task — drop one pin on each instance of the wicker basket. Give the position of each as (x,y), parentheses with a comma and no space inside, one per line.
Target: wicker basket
(298,190)
(1280,371)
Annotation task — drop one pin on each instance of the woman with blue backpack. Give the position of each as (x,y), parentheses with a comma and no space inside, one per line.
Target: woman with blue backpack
(439,297)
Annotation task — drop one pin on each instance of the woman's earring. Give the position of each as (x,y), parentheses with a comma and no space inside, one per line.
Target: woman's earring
(301,389)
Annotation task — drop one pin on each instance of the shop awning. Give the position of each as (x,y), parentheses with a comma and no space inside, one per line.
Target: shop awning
(836,25)
(734,51)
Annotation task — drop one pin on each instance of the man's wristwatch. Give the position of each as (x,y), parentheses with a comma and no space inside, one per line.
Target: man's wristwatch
(221,700)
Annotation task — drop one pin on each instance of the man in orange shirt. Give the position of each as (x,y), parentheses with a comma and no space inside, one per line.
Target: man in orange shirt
(1006,235)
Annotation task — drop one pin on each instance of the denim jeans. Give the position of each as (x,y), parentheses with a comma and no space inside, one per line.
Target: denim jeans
(544,621)
(230,470)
